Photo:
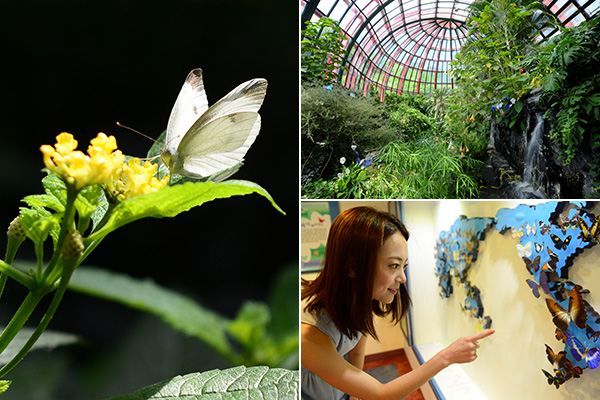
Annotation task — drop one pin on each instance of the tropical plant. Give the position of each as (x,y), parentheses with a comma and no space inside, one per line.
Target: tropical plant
(416,169)
(332,120)
(491,71)
(572,87)
(322,51)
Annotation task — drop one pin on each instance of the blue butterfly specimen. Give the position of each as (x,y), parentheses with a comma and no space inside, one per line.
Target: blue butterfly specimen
(580,352)
(535,287)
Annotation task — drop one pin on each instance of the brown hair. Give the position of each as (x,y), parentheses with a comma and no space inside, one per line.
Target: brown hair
(344,288)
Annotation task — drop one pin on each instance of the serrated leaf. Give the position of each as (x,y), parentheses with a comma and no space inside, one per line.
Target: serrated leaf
(88,199)
(173,200)
(38,222)
(44,200)
(178,310)
(48,340)
(255,383)
(54,186)
(100,211)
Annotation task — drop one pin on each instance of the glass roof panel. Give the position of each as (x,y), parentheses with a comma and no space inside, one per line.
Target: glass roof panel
(407,45)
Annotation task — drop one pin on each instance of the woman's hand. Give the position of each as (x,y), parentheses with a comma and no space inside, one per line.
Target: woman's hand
(464,350)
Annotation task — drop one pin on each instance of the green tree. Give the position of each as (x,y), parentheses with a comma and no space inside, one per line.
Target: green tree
(490,71)
(322,51)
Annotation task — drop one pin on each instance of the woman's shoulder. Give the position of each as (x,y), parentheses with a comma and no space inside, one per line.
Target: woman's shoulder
(314,317)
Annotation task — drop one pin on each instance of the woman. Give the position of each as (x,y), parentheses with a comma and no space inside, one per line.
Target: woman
(363,274)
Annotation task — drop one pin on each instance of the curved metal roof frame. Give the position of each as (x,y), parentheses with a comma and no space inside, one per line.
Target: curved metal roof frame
(407,45)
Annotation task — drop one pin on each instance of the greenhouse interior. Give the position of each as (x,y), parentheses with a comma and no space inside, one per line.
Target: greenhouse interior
(450,99)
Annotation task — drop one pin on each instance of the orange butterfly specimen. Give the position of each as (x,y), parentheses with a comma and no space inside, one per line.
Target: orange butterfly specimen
(557,360)
(563,318)
(551,265)
(518,233)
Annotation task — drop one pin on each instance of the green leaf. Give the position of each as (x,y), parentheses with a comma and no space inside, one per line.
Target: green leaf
(38,222)
(49,340)
(55,197)
(256,383)
(157,146)
(173,200)
(518,106)
(250,322)
(179,311)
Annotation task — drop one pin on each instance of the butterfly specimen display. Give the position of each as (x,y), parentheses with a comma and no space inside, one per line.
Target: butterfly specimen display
(456,250)
(549,237)
(564,230)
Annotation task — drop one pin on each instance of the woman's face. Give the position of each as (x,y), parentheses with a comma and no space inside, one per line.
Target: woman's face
(389,271)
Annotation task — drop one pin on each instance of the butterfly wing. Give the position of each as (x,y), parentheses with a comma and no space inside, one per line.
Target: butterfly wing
(191,103)
(560,316)
(535,288)
(220,138)
(219,145)
(532,266)
(577,312)
(592,357)
(577,348)
(544,228)
(544,284)
(246,97)
(524,251)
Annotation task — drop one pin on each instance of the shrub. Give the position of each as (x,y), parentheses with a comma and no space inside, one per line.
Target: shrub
(410,121)
(332,120)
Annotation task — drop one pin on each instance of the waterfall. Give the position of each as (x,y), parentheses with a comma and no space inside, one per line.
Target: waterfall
(529,186)
(532,154)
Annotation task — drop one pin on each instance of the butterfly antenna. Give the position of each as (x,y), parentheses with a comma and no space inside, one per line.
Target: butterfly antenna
(138,132)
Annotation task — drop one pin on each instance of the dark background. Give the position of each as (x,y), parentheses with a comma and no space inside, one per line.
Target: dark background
(80,66)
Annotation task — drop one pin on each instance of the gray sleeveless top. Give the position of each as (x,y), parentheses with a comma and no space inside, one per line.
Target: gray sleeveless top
(313,387)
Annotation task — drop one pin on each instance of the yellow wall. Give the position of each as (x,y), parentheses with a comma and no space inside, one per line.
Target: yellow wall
(510,362)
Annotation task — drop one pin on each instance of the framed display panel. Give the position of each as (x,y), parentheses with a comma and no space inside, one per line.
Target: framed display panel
(511,361)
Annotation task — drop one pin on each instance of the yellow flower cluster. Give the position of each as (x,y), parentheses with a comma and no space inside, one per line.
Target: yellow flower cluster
(135,178)
(103,164)
(79,169)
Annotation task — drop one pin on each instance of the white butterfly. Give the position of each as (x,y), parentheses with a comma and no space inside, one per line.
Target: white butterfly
(202,141)
(530,229)
(524,251)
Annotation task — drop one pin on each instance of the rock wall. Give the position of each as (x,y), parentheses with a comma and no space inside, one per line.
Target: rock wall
(527,164)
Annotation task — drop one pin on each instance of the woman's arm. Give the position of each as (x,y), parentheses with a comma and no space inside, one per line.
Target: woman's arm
(356,356)
(320,356)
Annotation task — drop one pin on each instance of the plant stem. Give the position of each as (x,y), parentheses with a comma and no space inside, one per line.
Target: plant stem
(21,277)
(58,295)
(20,317)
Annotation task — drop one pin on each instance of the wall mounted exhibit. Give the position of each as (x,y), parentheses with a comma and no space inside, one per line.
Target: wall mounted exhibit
(549,237)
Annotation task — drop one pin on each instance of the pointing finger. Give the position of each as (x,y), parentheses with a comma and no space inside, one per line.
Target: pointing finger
(482,335)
